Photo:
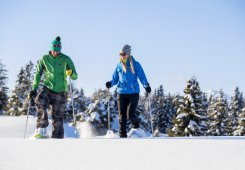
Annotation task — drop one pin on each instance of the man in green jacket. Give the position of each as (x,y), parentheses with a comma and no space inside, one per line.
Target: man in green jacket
(56,66)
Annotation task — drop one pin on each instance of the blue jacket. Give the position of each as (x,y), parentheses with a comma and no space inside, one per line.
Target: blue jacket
(127,83)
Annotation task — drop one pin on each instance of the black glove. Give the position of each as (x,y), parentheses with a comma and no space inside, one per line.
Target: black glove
(148,88)
(108,84)
(32,95)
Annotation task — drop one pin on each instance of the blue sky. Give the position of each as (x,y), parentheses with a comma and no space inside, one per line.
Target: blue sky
(172,39)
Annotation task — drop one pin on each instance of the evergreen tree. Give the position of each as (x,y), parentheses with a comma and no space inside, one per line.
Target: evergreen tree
(80,103)
(3,88)
(205,102)
(210,99)
(97,112)
(143,112)
(159,111)
(240,130)
(18,103)
(219,121)
(205,113)
(190,118)
(170,111)
(163,111)
(236,107)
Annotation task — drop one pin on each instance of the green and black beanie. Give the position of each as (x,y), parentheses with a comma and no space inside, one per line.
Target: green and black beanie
(56,44)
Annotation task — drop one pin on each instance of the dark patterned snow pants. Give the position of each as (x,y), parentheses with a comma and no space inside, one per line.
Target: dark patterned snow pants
(45,100)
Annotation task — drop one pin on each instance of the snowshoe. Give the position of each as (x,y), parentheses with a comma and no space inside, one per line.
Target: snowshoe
(41,133)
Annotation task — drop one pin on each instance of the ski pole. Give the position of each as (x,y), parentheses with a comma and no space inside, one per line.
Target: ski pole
(150,112)
(27,115)
(71,93)
(109,111)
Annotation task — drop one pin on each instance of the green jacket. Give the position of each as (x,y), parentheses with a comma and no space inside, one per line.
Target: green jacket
(55,72)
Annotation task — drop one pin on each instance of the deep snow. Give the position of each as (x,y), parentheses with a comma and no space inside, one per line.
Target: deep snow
(223,153)
(13,127)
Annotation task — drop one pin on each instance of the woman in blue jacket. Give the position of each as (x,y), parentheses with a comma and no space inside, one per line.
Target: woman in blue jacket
(126,76)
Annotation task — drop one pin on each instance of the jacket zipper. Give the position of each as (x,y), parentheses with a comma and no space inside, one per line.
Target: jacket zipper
(132,86)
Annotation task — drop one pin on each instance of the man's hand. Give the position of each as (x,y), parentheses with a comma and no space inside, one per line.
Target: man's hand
(69,72)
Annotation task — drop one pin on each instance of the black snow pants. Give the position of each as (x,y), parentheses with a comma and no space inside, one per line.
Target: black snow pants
(127,104)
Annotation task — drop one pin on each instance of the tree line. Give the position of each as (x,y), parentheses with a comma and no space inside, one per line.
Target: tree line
(193,114)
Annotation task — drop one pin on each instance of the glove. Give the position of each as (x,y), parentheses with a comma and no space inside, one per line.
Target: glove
(108,84)
(69,72)
(32,95)
(148,88)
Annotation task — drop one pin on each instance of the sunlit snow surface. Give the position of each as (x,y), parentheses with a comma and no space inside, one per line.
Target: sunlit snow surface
(98,153)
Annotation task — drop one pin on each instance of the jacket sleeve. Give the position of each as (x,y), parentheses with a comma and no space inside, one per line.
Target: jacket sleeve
(141,75)
(71,66)
(115,77)
(38,75)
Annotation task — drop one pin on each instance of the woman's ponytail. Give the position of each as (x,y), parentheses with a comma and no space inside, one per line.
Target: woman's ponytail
(124,65)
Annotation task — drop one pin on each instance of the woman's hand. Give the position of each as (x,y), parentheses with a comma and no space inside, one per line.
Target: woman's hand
(148,88)
(108,84)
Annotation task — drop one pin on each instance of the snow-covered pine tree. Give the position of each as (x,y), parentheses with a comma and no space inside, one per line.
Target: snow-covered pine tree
(97,112)
(142,112)
(80,103)
(205,113)
(205,101)
(170,111)
(162,111)
(236,107)
(242,99)
(190,118)
(210,99)
(219,121)
(29,70)
(18,103)
(159,110)
(240,130)
(178,101)
(3,88)
(14,102)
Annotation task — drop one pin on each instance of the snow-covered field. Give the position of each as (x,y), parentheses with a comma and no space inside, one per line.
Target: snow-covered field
(224,153)
(13,127)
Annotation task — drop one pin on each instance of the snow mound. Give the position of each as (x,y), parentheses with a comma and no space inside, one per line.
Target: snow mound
(111,134)
(136,133)
(88,130)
